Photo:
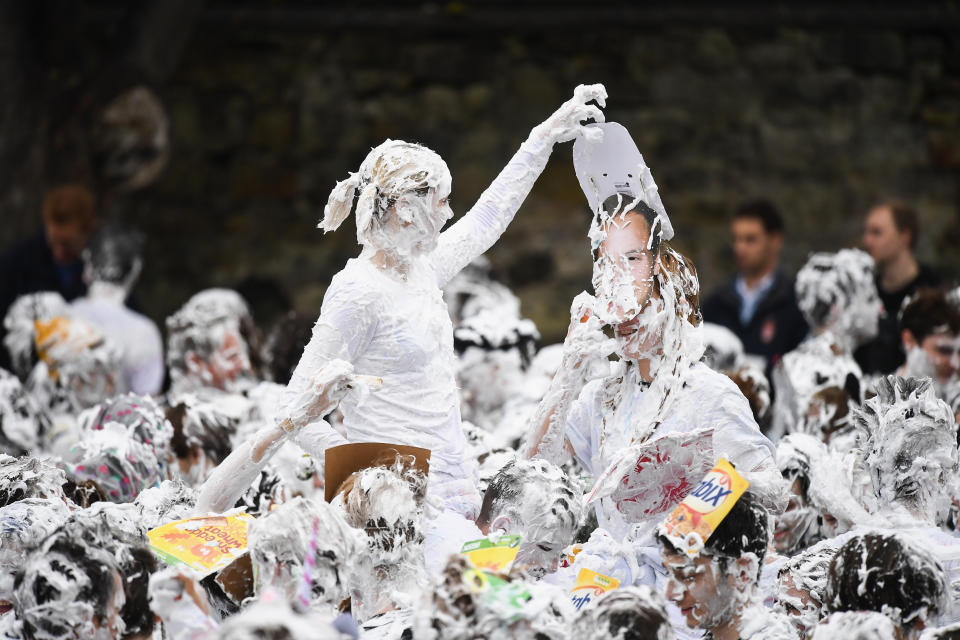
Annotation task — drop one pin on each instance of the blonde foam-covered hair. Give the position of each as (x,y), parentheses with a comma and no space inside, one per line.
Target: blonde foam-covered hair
(389,171)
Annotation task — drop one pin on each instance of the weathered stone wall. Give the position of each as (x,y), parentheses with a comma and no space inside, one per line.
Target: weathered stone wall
(822,120)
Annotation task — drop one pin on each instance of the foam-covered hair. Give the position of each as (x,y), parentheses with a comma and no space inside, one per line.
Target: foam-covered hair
(832,280)
(390,170)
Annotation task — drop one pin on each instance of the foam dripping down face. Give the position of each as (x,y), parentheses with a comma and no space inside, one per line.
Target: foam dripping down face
(403,200)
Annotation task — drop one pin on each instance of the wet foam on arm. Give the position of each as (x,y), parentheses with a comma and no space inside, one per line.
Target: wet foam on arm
(488,218)
(546,437)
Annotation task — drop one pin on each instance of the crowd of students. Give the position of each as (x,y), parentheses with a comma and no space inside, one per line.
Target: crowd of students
(577,454)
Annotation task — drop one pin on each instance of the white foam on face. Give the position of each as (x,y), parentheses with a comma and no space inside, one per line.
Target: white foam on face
(910,450)
(208,328)
(802,585)
(544,506)
(798,526)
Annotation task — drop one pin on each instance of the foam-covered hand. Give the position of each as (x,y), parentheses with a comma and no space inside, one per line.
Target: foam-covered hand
(585,336)
(566,123)
(327,388)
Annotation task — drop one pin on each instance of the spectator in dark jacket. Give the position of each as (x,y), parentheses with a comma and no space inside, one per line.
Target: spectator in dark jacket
(759,304)
(890,237)
(50,259)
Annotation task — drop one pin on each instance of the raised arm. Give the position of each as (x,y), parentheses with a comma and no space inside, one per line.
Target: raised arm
(546,432)
(486,221)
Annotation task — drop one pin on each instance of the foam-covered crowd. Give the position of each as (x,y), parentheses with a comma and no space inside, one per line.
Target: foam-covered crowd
(649,477)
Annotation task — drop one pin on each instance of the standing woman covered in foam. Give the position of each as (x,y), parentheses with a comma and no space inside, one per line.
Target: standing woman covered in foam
(384,313)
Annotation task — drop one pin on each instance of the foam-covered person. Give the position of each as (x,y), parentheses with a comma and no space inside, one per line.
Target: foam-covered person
(208,344)
(798,526)
(20,323)
(801,591)
(627,613)
(541,503)
(387,500)
(648,294)
(889,574)
(838,298)
(856,625)
(83,581)
(22,525)
(141,419)
(456,609)
(23,423)
(384,315)
(202,437)
(930,332)
(494,351)
(280,540)
(112,264)
(909,453)
(716,588)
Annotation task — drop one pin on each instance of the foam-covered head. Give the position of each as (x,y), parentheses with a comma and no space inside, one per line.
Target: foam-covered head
(387,502)
(888,574)
(120,465)
(209,342)
(628,613)
(71,586)
(798,526)
(26,477)
(723,350)
(909,440)
(537,500)
(22,421)
(712,587)
(20,323)
(22,525)
(494,351)
(836,293)
(142,419)
(802,585)
(855,625)
(403,199)
(112,255)
(281,540)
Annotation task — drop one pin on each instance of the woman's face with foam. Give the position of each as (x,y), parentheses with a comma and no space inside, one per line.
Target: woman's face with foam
(412,225)
(623,281)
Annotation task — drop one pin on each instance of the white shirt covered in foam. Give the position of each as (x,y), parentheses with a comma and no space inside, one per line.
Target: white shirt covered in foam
(706,400)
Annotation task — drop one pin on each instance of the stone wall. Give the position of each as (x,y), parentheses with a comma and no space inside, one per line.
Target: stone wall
(267,115)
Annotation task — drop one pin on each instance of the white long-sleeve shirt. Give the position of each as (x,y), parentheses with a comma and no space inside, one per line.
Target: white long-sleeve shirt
(706,400)
(399,329)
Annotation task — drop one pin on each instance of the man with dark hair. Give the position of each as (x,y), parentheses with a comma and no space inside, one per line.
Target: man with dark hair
(49,260)
(890,237)
(537,500)
(759,304)
(887,574)
(716,588)
(930,332)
